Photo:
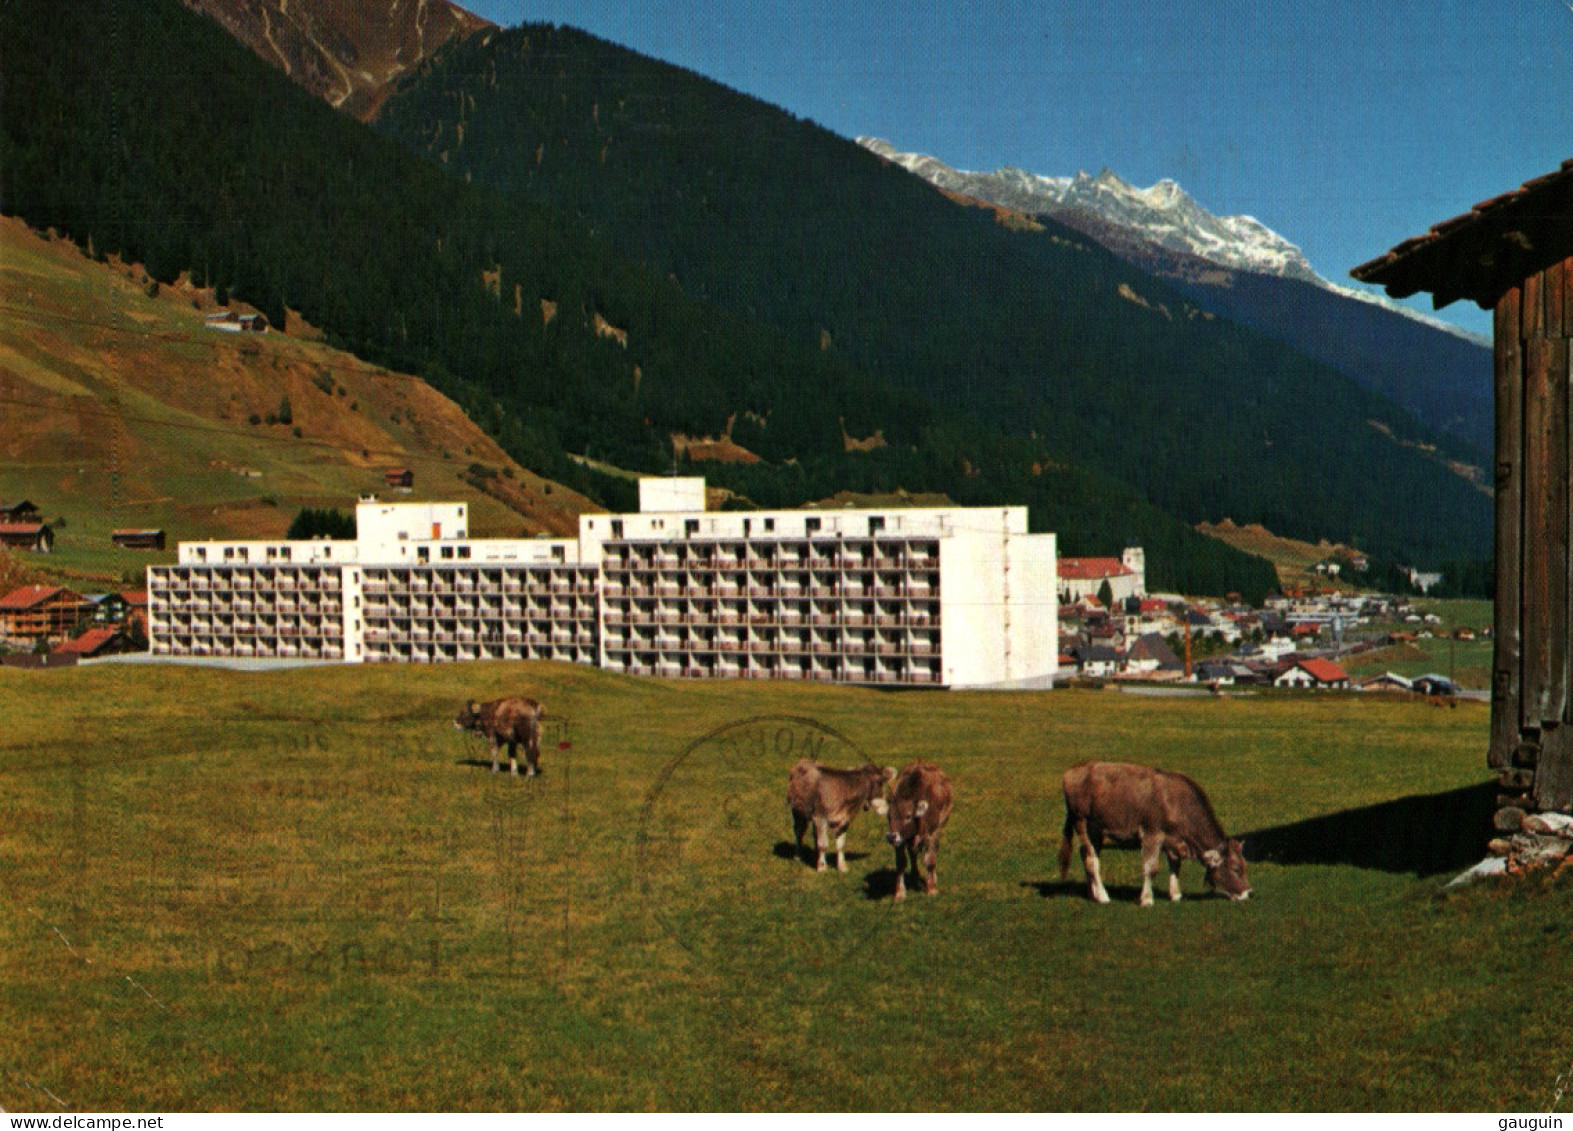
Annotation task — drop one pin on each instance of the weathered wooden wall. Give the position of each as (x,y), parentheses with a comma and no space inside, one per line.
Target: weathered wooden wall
(1532,701)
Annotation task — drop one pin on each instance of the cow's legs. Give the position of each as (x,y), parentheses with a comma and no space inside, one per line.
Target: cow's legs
(931,863)
(1089,860)
(1152,848)
(532,756)
(799,827)
(901,871)
(513,758)
(841,844)
(496,754)
(1174,879)
(821,842)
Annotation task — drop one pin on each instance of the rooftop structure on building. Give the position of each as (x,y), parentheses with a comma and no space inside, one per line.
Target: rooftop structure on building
(946,596)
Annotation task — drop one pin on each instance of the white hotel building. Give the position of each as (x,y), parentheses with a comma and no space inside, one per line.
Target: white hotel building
(953,596)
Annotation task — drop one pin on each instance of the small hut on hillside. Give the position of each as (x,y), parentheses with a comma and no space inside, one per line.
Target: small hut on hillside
(1513,255)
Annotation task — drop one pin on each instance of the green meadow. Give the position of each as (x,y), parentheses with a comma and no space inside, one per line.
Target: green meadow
(305,890)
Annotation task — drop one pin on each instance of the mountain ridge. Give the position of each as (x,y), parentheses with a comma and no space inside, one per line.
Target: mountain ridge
(1237,267)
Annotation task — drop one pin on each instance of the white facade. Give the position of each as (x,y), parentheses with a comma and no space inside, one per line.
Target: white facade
(938,596)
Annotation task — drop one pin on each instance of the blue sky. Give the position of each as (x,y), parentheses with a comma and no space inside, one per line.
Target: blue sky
(1344,126)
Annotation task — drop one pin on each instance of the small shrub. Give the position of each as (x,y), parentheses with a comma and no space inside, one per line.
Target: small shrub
(254,418)
(298,432)
(272,418)
(151,289)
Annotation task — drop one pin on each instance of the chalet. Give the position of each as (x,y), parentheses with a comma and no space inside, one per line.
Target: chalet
(40,612)
(23,510)
(1387,681)
(1323,675)
(234,323)
(107,608)
(35,537)
(95,642)
(401,478)
(138,539)
(1513,255)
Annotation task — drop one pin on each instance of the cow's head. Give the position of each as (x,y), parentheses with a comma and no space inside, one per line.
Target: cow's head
(876,780)
(469,716)
(903,815)
(1226,870)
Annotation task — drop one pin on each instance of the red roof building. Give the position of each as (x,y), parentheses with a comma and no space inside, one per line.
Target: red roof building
(34,536)
(1314,672)
(94,642)
(1091,569)
(36,611)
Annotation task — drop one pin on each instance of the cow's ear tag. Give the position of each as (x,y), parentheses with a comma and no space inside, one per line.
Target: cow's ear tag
(1212,858)
(922,808)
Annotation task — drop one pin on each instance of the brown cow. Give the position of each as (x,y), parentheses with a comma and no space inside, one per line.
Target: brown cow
(918,808)
(831,799)
(1167,813)
(515,720)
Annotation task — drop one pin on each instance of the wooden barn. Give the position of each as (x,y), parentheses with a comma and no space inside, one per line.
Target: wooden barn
(1513,255)
(138,539)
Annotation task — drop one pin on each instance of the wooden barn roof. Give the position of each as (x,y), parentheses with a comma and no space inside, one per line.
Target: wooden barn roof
(1488,250)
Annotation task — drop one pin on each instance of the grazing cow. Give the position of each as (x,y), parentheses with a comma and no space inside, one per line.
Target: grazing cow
(1167,813)
(515,720)
(918,808)
(831,800)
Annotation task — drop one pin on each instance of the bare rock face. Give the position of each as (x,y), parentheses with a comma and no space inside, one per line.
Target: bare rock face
(348,52)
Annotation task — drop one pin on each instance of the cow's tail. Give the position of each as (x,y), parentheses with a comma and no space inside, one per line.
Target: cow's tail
(1065,844)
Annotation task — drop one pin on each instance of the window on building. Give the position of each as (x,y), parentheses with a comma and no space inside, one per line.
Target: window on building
(557,554)
(464,553)
(617,528)
(811,526)
(770,526)
(690,527)
(447,553)
(423,553)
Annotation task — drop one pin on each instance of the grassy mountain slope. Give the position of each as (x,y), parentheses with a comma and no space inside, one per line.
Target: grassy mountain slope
(546,338)
(122,410)
(1042,333)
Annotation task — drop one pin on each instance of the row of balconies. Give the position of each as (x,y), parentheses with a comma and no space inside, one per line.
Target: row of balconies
(767,567)
(422,635)
(176,582)
(233,646)
(673,670)
(771,647)
(585,611)
(785,590)
(783,617)
(421,655)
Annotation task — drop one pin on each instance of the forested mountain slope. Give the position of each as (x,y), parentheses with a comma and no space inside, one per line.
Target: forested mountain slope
(1041,333)
(140,129)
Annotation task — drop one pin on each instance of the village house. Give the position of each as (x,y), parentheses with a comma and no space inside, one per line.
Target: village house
(39,612)
(22,510)
(1320,674)
(35,537)
(399,478)
(1387,681)
(96,642)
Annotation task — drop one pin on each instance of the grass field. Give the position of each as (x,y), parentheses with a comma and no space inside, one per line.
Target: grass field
(305,890)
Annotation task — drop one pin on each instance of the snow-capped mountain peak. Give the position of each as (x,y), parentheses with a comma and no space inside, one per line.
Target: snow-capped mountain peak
(1163,214)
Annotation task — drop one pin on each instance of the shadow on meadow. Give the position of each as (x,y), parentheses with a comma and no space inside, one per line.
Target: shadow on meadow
(1425,835)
